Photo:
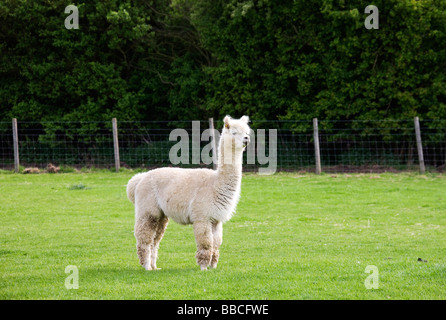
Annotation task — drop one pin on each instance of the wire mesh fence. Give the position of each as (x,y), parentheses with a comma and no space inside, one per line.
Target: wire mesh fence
(345,146)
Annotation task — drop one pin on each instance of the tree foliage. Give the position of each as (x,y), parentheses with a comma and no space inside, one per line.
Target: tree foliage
(192,59)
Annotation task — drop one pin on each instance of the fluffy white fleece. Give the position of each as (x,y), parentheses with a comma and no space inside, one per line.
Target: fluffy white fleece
(203,197)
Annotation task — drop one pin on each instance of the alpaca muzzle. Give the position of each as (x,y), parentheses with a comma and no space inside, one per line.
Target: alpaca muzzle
(246,141)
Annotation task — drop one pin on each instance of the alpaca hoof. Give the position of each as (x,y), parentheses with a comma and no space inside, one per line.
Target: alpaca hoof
(203,268)
(147,267)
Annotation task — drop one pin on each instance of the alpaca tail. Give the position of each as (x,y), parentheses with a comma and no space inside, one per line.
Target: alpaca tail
(131,186)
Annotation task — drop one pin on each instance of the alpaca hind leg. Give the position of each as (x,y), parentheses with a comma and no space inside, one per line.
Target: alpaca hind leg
(204,241)
(159,233)
(217,234)
(145,230)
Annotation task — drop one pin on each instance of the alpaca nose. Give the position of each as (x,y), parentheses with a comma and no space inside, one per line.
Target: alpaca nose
(246,140)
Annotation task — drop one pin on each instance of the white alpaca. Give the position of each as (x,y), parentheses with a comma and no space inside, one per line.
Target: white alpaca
(202,197)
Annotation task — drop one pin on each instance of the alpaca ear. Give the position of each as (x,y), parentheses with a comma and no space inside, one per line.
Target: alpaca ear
(245,119)
(226,121)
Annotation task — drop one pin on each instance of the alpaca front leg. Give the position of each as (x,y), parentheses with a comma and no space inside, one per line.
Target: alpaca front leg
(204,241)
(217,234)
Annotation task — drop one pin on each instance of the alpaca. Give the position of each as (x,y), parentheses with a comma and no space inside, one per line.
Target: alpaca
(52,168)
(31,170)
(203,197)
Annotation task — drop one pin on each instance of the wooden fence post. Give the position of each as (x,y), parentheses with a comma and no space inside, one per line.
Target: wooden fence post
(214,145)
(116,144)
(419,145)
(15,137)
(316,146)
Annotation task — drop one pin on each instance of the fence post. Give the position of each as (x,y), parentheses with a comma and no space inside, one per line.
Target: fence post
(214,145)
(15,137)
(419,145)
(116,144)
(316,146)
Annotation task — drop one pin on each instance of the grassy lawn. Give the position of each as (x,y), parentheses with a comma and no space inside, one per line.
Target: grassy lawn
(293,237)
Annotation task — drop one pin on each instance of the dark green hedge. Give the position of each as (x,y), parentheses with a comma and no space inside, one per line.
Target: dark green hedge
(194,59)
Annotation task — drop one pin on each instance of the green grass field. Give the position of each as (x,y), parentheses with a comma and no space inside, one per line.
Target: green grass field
(293,237)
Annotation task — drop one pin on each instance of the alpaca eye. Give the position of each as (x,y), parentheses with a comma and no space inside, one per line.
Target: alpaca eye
(234,133)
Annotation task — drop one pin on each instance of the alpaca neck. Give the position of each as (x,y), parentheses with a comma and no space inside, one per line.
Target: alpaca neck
(229,167)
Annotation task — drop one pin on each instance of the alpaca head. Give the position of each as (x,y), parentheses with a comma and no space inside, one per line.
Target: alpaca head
(238,131)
